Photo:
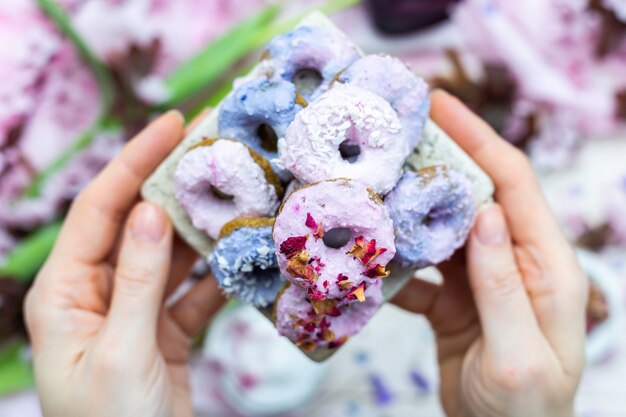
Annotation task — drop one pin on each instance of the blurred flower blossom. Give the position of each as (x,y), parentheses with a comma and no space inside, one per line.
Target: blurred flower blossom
(616,212)
(549,48)
(140,23)
(27,43)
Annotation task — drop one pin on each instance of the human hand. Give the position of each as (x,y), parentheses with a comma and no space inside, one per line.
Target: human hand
(104,344)
(509,318)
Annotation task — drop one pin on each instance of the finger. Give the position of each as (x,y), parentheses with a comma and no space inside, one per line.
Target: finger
(141,273)
(517,190)
(417,296)
(552,277)
(505,313)
(196,308)
(92,224)
(183,260)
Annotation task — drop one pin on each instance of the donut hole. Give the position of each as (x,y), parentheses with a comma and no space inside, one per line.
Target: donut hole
(337,238)
(307,80)
(349,151)
(220,195)
(438,217)
(268,137)
(260,274)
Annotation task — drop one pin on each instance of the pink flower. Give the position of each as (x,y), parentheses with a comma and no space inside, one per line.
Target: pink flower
(67,104)
(548,45)
(180,28)
(27,44)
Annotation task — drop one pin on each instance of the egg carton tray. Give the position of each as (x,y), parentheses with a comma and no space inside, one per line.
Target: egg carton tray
(435,148)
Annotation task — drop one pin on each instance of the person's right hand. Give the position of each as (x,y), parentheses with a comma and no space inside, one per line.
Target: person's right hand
(509,318)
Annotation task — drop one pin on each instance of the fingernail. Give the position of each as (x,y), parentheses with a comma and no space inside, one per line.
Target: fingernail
(148,223)
(177,113)
(490,226)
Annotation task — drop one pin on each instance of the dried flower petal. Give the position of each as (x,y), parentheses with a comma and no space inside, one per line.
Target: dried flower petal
(310,222)
(358,293)
(298,267)
(293,245)
(365,251)
(326,307)
(376,271)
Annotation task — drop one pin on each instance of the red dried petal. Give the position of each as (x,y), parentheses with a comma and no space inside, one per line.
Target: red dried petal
(310,222)
(314,294)
(376,271)
(338,342)
(293,245)
(319,233)
(365,251)
(358,293)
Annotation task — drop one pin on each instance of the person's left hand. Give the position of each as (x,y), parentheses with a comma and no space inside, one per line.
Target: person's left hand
(104,342)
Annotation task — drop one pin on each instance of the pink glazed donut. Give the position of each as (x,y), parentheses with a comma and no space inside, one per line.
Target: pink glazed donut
(313,324)
(334,239)
(219,180)
(348,132)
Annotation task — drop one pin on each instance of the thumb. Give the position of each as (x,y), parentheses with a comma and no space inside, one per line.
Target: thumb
(503,305)
(141,274)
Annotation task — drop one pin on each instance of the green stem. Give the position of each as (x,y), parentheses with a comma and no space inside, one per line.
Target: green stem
(105,85)
(30,254)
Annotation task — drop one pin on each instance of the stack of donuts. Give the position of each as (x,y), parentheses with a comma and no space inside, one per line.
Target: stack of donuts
(306,190)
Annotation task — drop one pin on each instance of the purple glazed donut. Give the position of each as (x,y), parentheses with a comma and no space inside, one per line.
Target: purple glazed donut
(257,113)
(334,239)
(310,57)
(433,212)
(312,324)
(348,132)
(219,180)
(391,79)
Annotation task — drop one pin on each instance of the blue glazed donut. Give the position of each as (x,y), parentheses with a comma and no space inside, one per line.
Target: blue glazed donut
(310,57)
(391,79)
(257,114)
(432,212)
(244,261)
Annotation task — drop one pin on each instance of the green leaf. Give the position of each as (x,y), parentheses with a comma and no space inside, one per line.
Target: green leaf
(30,254)
(217,57)
(15,372)
(105,86)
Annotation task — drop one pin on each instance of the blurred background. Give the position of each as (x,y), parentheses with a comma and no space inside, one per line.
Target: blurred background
(79,77)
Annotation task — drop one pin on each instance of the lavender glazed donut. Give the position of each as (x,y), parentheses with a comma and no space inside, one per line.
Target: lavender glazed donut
(391,79)
(334,239)
(347,132)
(244,263)
(310,57)
(313,324)
(219,180)
(432,211)
(257,114)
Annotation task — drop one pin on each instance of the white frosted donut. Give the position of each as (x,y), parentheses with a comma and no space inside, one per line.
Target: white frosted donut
(220,180)
(346,118)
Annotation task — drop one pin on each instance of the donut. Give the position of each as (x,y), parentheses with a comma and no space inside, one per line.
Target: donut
(334,239)
(257,114)
(348,132)
(310,57)
(312,324)
(432,211)
(244,261)
(391,79)
(219,180)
